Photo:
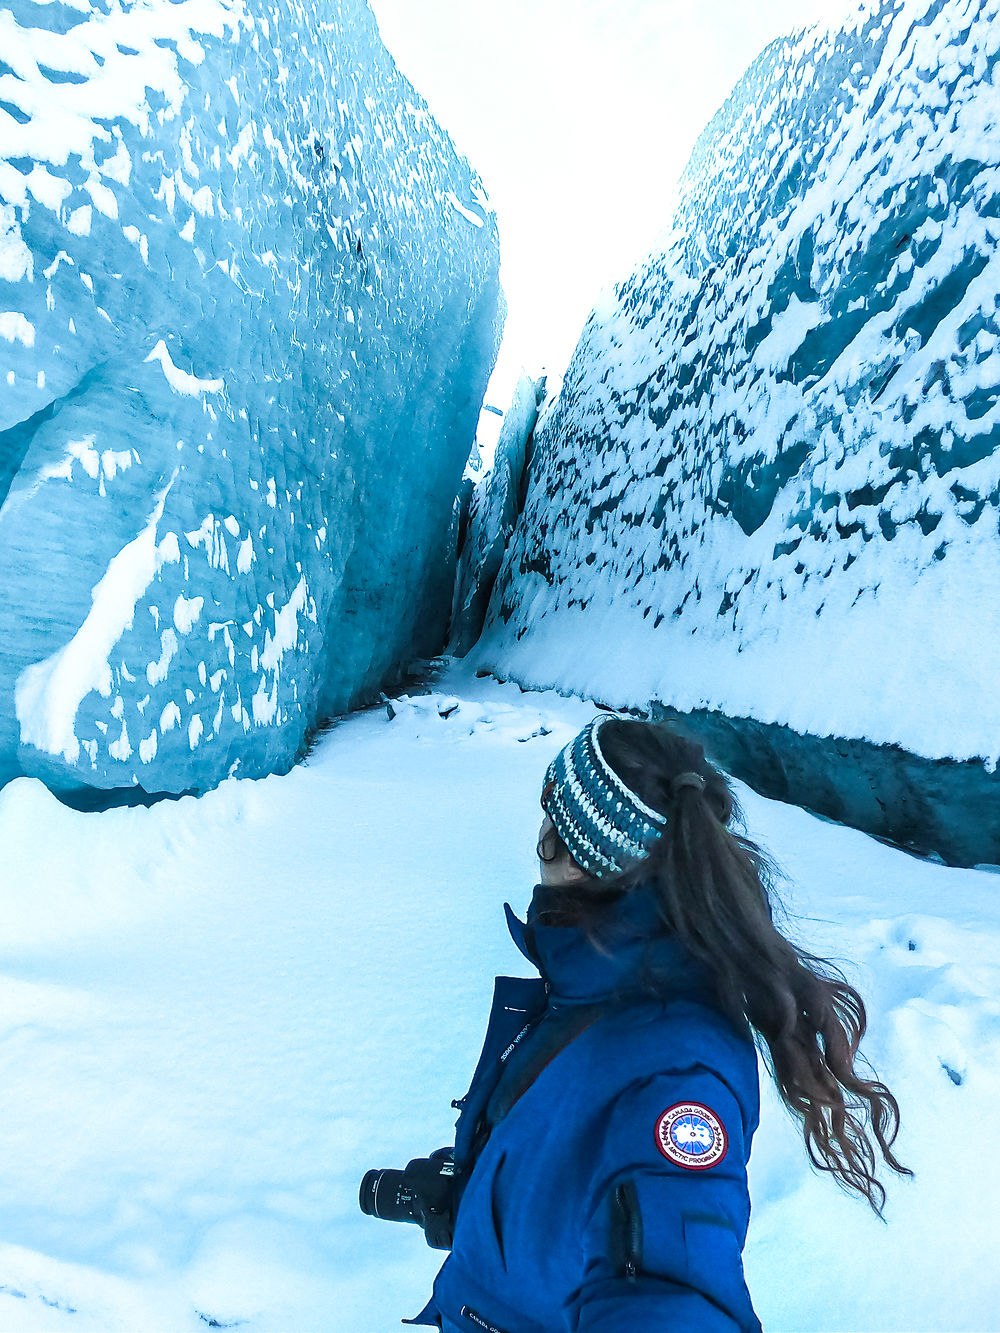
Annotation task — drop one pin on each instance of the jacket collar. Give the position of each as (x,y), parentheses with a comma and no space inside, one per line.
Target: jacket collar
(577,971)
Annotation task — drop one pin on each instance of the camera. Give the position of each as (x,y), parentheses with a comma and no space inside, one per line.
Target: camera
(424,1192)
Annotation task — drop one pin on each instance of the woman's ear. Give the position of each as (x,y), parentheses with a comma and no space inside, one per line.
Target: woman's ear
(574,871)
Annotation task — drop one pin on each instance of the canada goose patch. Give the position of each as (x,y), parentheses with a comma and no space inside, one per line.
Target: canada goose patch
(691,1135)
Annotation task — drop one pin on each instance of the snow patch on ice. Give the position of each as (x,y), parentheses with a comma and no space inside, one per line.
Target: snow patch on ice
(14,325)
(245,556)
(186,612)
(156,672)
(466,213)
(180,380)
(16,260)
(170,717)
(286,627)
(49,693)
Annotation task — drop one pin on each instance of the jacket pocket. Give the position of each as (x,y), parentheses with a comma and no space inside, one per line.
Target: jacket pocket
(626,1230)
(496,1211)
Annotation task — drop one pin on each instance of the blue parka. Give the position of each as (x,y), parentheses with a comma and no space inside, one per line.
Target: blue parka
(611,1197)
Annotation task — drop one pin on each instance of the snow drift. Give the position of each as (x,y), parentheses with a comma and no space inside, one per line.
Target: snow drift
(249,304)
(766,498)
(218,1013)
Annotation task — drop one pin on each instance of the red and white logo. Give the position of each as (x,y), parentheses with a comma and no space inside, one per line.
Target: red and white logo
(691,1135)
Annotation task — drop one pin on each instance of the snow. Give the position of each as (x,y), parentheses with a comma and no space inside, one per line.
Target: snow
(48,694)
(186,612)
(180,380)
(218,1012)
(475,218)
(14,325)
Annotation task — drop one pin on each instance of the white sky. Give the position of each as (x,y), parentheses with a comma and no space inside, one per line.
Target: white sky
(579,115)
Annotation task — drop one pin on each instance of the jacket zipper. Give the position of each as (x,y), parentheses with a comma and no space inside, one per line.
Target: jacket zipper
(630,1222)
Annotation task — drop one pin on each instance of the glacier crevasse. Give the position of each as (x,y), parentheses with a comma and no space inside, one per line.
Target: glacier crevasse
(489,511)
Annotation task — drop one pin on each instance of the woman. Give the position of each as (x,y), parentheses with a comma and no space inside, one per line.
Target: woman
(601,1150)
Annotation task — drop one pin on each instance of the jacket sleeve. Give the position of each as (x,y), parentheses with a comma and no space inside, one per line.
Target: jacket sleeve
(668,1211)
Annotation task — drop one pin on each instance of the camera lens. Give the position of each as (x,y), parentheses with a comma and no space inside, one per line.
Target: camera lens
(386,1194)
(367,1197)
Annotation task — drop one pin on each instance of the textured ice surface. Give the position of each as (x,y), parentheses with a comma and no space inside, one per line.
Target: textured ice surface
(248,307)
(492,508)
(770,483)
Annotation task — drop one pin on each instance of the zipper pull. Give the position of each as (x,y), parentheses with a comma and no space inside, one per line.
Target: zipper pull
(459,1103)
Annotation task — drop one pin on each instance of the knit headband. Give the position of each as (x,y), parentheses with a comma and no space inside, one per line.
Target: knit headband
(602,822)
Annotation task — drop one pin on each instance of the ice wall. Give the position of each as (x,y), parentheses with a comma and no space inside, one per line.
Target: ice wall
(769,487)
(491,509)
(249,304)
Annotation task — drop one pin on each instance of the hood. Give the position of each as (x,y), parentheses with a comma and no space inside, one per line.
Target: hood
(577,971)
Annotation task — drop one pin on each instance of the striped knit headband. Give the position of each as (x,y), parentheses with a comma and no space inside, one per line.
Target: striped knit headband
(602,822)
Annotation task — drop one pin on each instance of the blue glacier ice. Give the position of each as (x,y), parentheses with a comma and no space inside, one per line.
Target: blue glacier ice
(249,304)
(768,491)
(493,503)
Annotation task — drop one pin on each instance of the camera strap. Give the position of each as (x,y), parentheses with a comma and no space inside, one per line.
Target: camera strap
(533,1052)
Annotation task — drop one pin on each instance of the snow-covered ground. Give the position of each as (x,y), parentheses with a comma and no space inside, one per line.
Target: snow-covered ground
(216,1014)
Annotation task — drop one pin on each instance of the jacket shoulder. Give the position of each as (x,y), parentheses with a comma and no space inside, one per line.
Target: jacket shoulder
(637,1042)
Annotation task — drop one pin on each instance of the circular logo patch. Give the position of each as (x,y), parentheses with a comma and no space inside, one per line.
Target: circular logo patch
(691,1135)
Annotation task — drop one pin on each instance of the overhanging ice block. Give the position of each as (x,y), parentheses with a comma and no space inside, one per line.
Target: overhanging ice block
(249,305)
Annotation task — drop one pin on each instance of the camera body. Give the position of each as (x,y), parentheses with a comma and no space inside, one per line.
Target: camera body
(424,1192)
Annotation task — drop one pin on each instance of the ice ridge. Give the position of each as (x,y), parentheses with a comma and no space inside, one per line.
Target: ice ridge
(769,488)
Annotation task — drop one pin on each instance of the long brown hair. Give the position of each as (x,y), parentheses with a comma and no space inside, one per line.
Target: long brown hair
(715,892)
